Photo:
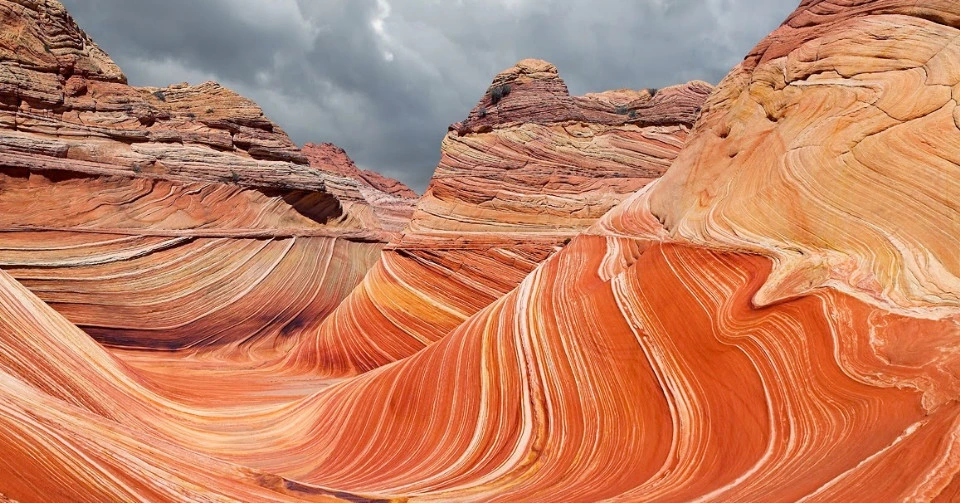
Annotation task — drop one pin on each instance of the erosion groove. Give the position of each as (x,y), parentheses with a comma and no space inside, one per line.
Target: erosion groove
(751,298)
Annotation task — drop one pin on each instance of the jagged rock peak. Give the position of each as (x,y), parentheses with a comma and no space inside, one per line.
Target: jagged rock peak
(532,91)
(41,35)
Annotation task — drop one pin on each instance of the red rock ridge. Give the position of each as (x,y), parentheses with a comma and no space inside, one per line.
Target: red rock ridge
(329,157)
(64,98)
(533,92)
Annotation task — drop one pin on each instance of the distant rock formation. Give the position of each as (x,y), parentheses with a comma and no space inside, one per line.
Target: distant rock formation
(524,173)
(532,92)
(329,157)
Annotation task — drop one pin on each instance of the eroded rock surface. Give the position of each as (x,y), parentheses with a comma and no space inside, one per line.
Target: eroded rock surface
(772,320)
(516,180)
(329,157)
(174,218)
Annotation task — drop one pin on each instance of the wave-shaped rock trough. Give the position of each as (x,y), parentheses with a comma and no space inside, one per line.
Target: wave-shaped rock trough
(774,319)
(512,187)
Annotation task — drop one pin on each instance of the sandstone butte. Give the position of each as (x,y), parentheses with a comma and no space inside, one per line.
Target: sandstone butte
(775,319)
(171,218)
(529,168)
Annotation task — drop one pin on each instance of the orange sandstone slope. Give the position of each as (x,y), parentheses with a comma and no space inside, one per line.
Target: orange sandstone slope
(77,426)
(529,168)
(776,319)
(773,320)
(175,217)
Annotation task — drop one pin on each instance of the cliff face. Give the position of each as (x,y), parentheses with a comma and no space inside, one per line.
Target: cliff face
(391,202)
(516,180)
(176,217)
(63,100)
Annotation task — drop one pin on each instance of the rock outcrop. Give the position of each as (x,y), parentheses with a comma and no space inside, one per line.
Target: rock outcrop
(176,217)
(329,157)
(516,180)
(774,319)
(392,202)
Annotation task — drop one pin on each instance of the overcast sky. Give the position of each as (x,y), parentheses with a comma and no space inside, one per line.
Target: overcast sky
(384,78)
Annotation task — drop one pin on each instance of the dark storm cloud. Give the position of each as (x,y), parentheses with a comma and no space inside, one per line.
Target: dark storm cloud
(384,78)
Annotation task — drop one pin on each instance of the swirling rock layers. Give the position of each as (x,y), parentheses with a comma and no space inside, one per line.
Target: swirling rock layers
(516,180)
(773,320)
(172,218)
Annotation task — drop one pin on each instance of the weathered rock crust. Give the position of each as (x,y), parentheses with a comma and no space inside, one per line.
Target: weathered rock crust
(174,218)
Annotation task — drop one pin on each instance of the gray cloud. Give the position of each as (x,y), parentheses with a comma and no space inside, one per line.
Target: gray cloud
(384,78)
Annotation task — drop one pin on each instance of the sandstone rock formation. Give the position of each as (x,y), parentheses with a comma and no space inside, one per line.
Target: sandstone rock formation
(391,201)
(177,217)
(516,180)
(329,157)
(74,425)
(772,320)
